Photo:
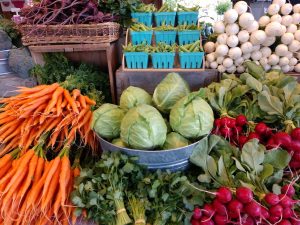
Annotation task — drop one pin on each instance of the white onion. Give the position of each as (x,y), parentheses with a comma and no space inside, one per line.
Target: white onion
(231,69)
(287,20)
(291,28)
(274,29)
(296,18)
(209,47)
(281,50)
(284,61)
(247,56)
(256,56)
(283,30)
(285,68)
(287,38)
(246,19)
(266,52)
(228,62)
(269,41)
(286,9)
(264,21)
(279,2)
(241,7)
(276,18)
(293,62)
(247,47)
(232,29)
(258,37)
(253,27)
(222,50)
(243,36)
(219,27)
(235,53)
(273,9)
(240,69)
(273,60)
(220,60)
(239,61)
(296,8)
(214,65)
(211,57)
(256,48)
(232,41)
(222,39)
(263,61)
(221,69)
(297,35)
(289,55)
(230,16)
(294,46)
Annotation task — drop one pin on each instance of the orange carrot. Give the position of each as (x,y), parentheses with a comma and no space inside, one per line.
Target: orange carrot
(56,94)
(57,204)
(64,178)
(5,159)
(5,169)
(59,105)
(46,90)
(31,90)
(71,101)
(82,101)
(55,165)
(39,170)
(75,94)
(89,101)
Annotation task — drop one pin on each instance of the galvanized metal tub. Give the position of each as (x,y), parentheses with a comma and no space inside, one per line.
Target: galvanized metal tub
(173,159)
(4,67)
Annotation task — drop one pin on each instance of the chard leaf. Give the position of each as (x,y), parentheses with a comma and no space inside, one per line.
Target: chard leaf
(253,155)
(278,158)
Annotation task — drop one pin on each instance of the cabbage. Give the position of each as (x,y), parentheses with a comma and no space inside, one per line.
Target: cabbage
(175,140)
(143,127)
(118,142)
(134,96)
(169,129)
(192,117)
(107,121)
(169,91)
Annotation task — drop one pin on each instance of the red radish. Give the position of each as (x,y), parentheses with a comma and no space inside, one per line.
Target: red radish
(261,128)
(253,135)
(237,130)
(283,139)
(226,132)
(249,221)
(220,220)
(244,195)
(286,201)
(225,121)
(284,222)
(208,210)
(242,140)
(195,222)
(288,189)
(296,156)
(197,213)
(276,210)
(271,144)
(235,208)
(219,207)
(295,221)
(294,164)
(253,209)
(287,213)
(241,120)
(265,213)
(218,123)
(273,219)
(272,199)
(294,146)
(206,221)
(231,123)
(224,195)
(296,134)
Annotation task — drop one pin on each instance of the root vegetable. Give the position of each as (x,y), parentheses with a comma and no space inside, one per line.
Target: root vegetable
(230,16)
(281,50)
(222,39)
(214,65)
(293,62)
(256,56)
(220,60)
(211,57)
(258,37)
(294,46)
(239,61)
(284,61)
(264,21)
(266,52)
(240,69)
(292,68)
(297,35)
(297,68)
(279,2)
(274,29)
(209,47)
(243,36)
(296,8)
(296,18)
(227,62)
(246,19)
(291,28)
(241,7)
(287,20)
(269,41)
(219,27)
(256,48)
(289,55)
(222,50)
(221,69)
(232,29)
(253,27)
(263,61)
(232,41)
(273,60)
(231,69)
(276,18)
(276,67)
(287,38)
(267,67)
(285,68)
(235,53)
(286,9)
(273,9)
(247,56)
(272,199)
(244,195)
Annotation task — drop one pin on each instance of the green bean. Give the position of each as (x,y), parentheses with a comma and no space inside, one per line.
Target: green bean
(193,47)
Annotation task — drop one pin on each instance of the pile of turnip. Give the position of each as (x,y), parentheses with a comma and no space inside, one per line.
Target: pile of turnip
(273,41)
(242,208)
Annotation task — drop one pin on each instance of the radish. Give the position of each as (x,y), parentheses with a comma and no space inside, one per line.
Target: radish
(253,209)
(276,210)
(284,222)
(197,213)
(209,47)
(272,199)
(226,132)
(287,213)
(294,164)
(274,219)
(219,27)
(219,207)
(195,222)
(241,7)
(224,195)
(249,221)
(264,21)
(286,9)
(220,220)
(295,221)
(292,29)
(287,38)
(241,120)
(273,9)
(236,207)
(285,201)
(296,134)
(253,135)
(232,29)
(265,213)
(242,140)
(282,139)
(208,210)
(245,20)
(261,128)
(243,36)
(294,146)
(206,221)
(288,190)
(230,16)
(244,195)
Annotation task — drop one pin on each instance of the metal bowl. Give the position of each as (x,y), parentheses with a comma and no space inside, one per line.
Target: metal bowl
(173,159)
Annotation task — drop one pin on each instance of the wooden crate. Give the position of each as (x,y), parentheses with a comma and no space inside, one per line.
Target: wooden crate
(149,79)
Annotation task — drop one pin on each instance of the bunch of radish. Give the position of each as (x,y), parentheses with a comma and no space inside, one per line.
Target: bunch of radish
(241,38)
(232,129)
(242,208)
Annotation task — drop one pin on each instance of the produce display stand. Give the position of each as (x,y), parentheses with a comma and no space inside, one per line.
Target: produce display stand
(148,79)
(103,54)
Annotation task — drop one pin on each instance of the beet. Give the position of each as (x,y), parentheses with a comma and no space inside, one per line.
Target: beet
(295,134)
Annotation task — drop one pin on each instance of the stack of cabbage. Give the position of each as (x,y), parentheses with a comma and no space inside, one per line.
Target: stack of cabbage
(173,118)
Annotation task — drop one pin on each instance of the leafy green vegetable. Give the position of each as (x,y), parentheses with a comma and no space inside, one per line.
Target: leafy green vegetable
(134,96)
(175,140)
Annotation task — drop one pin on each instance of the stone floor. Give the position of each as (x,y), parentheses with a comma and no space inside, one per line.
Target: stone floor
(10,82)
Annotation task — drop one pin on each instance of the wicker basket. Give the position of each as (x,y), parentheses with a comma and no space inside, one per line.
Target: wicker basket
(70,34)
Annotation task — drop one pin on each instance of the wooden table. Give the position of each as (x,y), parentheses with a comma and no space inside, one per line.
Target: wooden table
(104,55)
(148,79)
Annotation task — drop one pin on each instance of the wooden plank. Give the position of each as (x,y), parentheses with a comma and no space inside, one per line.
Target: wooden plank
(75,47)
(297,75)
(149,80)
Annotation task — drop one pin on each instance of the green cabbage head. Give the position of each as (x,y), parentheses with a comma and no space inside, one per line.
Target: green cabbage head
(169,91)
(175,140)
(134,96)
(118,142)
(144,128)
(192,117)
(107,121)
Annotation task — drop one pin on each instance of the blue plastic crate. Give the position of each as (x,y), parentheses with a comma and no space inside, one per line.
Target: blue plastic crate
(187,18)
(136,60)
(145,18)
(188,36)
(167,37)
(163,60)
(167,18)
(138,37)
(191,60)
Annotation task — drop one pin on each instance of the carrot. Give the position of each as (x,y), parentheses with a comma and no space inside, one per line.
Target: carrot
(76,172)
(54,123)
(55,165)
(82,113)
(64,103)
(64,178)
(57,204)
(75,94)
(52,189)
(59,105)
(71,101)
(43,127)
(5,159)
(39,170)
(31,138)
(53,138)
(56,94)
(13,134)
(46,90)
(5,169)
(8,125)
(8,147)
(7,119)
(31,90)
(82,101)
(39,109)
(89,101)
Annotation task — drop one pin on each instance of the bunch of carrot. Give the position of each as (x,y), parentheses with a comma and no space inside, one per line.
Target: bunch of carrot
(51,109)
(34,190)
